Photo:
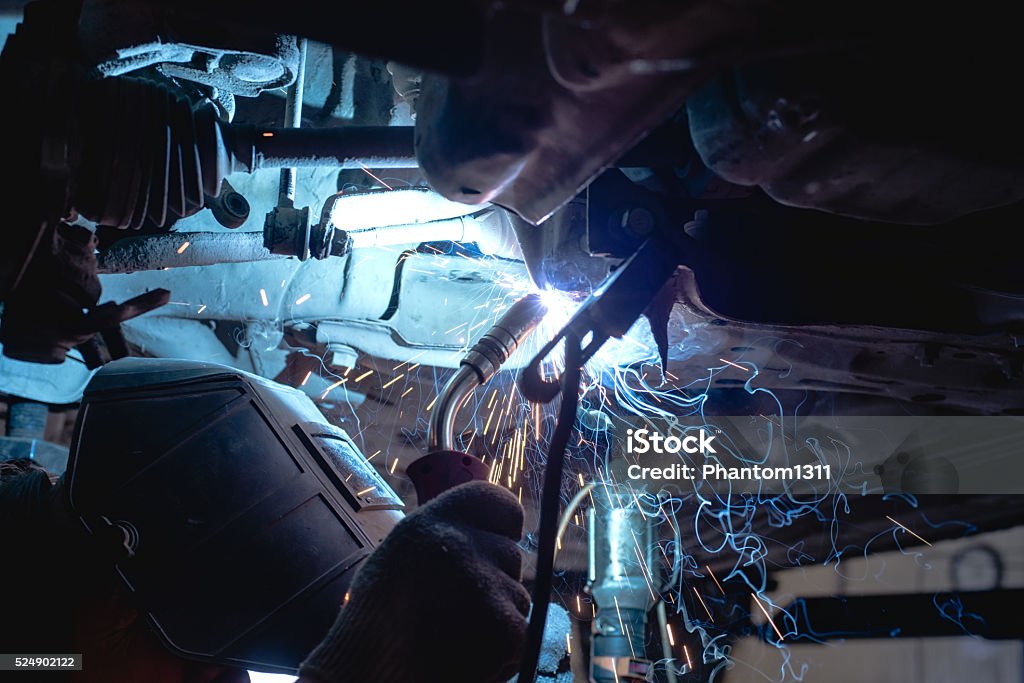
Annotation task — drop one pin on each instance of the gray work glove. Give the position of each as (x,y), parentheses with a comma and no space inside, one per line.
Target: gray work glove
(439,600)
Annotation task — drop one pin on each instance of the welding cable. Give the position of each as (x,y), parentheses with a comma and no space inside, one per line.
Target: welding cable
(569,510)
(549,504)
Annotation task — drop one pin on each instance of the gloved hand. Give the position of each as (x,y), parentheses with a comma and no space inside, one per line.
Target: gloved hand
(54,307)
(439,600)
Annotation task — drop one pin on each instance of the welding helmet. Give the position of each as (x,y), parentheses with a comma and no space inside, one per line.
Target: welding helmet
(233,512)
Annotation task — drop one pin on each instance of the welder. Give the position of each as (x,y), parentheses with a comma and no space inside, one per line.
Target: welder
(438,600)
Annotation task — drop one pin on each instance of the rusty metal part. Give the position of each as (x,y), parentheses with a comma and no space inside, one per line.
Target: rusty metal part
(119,37)
(182,250)
(445,37)
(350,147)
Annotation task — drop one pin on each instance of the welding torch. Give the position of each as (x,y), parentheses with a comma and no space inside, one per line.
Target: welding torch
(445,466)
(609,312)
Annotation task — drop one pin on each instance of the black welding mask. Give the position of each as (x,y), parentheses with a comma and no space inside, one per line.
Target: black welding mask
(233,511)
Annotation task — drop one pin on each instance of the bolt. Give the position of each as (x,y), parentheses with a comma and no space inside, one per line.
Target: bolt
(342,355)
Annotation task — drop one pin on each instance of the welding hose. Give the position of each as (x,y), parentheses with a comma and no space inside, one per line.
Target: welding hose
(549,504)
